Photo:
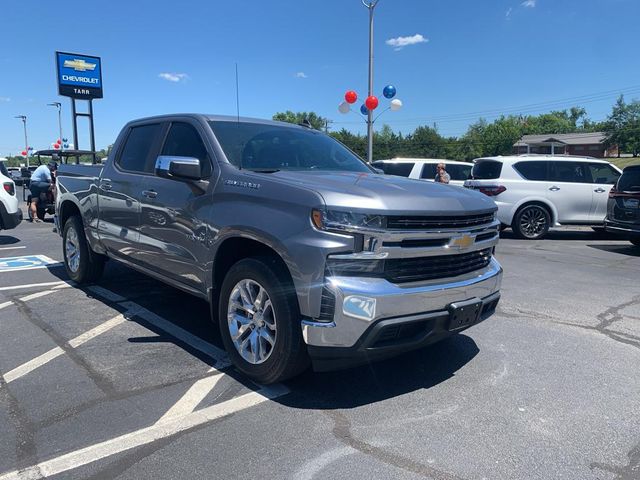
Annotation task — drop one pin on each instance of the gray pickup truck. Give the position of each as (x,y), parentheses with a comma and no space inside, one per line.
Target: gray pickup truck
(304,252)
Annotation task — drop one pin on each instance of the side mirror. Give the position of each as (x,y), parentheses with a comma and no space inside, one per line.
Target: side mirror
(178,168)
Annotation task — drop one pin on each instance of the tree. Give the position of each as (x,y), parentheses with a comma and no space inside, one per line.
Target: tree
(316,121)
(623,126)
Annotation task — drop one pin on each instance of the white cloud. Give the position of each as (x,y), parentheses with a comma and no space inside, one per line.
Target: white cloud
(529,3)
(400,42)
(5,99)
(174,77)
(301,75)
(508,14)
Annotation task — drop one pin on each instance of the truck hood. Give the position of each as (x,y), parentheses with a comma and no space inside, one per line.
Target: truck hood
(388,195)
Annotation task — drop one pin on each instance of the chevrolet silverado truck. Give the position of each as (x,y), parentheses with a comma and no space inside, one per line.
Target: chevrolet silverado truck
(304,252)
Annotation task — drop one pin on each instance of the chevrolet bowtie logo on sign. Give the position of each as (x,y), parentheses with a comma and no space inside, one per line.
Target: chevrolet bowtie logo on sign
(463,241)
(79,76)
(79,65)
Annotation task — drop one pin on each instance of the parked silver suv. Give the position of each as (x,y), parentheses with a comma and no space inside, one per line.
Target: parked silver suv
(301,248)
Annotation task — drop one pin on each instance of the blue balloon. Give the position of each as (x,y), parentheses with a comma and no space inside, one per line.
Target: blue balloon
(364,110)
(389,91)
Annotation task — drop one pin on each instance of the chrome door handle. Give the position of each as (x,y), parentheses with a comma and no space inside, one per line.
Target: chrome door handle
(554,188)
(599,190)
(150,193)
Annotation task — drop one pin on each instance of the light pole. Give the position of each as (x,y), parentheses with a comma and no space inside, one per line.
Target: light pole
(58,105)
(26,143)
(371,5)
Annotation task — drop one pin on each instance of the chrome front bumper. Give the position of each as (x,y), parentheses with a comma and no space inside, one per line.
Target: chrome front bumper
(362,302)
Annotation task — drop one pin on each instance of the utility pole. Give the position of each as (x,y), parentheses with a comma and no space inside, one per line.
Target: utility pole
(371,5)
(26,143)
(327,122)
(58,105)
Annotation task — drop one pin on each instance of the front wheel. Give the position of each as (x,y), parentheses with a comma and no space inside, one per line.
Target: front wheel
(532,222)
(259,321)
(83,265)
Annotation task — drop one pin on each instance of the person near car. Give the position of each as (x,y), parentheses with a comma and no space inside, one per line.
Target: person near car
(41,182)
(441,174)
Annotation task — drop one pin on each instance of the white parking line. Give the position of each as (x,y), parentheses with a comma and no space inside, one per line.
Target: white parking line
(5,304)
(46,357)
(11,248)
(30,285)
(36,295)
(219,355)
(192,398)
(144,436)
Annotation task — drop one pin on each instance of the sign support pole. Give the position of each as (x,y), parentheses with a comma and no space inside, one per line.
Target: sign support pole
(75,124)
(93,138)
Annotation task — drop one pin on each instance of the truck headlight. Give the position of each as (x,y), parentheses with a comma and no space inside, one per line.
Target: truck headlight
(337,220)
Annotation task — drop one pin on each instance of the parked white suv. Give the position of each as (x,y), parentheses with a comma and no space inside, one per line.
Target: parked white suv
(425,168)
(10,213)
(535,192)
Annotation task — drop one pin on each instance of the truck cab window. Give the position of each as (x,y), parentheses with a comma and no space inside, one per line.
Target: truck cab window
(136,154)
(183,140)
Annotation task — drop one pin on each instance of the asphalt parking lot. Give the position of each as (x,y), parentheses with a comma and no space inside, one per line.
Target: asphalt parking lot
(127,380)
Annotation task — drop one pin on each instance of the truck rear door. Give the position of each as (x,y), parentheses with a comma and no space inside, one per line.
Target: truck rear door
(120,188)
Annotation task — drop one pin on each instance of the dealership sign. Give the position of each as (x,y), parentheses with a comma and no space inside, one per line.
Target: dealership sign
(79,76)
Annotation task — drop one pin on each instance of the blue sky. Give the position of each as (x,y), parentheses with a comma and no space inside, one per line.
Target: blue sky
(475,56)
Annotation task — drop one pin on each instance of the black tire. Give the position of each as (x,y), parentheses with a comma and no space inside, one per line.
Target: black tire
(288,355)
(88,266)
(531,222)
(635,241)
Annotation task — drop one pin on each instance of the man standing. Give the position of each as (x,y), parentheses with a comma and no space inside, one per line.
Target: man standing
(41,182)
(442,176)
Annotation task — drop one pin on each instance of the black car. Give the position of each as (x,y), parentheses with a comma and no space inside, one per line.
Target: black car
(623,209)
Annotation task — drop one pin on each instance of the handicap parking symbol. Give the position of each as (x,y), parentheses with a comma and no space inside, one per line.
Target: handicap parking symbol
(28,262)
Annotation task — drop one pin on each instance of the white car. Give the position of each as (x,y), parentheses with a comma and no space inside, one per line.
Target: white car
(10,213)
(425,168)
(535,192)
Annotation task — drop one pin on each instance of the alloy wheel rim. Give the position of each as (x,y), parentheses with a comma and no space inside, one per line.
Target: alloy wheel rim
(72,250)
(251,321)
(533,222)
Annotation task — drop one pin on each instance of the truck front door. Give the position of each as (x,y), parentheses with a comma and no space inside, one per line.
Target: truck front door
(173,219)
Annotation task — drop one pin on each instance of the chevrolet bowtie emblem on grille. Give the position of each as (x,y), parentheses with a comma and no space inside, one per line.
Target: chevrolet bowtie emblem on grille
(463,241)
(79,65)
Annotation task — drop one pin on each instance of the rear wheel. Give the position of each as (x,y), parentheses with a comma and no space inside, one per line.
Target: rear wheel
(259,321)
(532,222)
(83,265)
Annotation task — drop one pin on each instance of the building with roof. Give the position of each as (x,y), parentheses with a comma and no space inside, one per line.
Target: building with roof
(590,144)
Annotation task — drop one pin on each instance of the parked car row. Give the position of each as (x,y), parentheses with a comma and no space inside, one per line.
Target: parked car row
(10,213)
(536,192)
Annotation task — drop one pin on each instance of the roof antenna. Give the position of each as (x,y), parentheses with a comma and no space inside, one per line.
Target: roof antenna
(237,95)
(238,110)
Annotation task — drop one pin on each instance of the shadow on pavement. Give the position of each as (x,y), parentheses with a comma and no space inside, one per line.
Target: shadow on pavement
(625,249)
(420,369)
(417,370)
(8,240)
(584,235)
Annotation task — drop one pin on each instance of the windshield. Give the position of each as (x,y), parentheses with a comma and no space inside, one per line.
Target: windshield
(486,169)
(257,146)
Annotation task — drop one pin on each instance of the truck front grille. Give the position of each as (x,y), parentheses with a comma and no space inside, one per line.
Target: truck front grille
(403,270)
(438,222)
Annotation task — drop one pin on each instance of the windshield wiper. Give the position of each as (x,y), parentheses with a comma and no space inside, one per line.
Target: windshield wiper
(263,170)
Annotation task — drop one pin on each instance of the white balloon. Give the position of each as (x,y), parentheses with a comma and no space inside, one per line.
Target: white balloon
(396,105)
(344,107)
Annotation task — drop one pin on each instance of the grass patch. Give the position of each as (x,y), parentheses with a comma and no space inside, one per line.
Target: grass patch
(624,162)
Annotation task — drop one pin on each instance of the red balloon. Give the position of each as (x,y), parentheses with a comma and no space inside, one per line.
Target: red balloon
(59,142)
(56,146)
(351,96)
(371,102)
(24,153)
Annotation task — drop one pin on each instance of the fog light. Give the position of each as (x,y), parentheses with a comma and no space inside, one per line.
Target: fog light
(359,307)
